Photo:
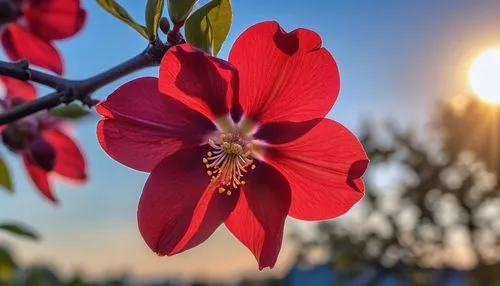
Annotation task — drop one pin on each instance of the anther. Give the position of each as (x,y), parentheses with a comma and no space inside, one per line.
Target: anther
(228,162)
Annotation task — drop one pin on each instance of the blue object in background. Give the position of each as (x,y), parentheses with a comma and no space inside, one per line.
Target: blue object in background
(325,275)
(299,275)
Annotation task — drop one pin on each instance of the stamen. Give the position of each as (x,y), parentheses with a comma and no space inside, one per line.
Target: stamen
(228,162)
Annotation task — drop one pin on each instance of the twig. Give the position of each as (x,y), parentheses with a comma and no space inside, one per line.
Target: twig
(67,90)
(20,70)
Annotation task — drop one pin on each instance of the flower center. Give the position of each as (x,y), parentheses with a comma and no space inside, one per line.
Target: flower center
(228,162)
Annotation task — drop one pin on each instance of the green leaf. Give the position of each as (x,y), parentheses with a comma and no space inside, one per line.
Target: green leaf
(179,10)
(72,111)
(7,266)
(120,13)
(208,27)
(19,230)
(5,180)
(154,10)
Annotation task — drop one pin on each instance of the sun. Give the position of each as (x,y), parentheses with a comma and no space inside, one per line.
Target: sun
(484,76)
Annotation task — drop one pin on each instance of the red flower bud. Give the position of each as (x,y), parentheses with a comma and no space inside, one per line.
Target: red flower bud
(43,154)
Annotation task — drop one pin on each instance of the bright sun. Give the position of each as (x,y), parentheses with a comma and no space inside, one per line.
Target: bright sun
(484,76)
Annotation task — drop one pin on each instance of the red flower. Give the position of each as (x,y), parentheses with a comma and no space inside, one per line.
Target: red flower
(41,22)
(208,167)
(40,140)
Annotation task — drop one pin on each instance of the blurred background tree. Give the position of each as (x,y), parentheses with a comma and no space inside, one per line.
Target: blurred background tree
(432,207)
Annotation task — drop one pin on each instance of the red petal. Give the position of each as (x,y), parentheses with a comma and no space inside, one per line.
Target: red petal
(20,43)
(55,19)
(142,126)
(176,212)
(259,217)
(70,162)
(211,211)
(40,178)
(199,81)
(18,88)
(284,76)
(324,169)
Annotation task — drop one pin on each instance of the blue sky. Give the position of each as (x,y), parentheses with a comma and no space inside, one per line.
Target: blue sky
(396,58)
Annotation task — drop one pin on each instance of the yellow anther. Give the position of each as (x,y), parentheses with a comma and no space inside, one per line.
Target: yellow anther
(236,149)
(253,167)
(228,161)
(226,147)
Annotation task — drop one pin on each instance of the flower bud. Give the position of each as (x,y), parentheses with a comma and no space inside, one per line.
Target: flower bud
(9,11)
(43,154)
(18,135)
(13,139)
(164,25)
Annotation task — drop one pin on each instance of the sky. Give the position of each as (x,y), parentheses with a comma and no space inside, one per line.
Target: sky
(396,60)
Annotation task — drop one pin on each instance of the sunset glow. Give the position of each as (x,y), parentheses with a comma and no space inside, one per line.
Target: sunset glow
(484,76)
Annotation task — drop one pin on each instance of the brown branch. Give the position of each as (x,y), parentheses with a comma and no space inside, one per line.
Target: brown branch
(67,90)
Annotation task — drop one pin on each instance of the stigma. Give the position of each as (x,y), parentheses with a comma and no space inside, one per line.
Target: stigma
(228,162)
